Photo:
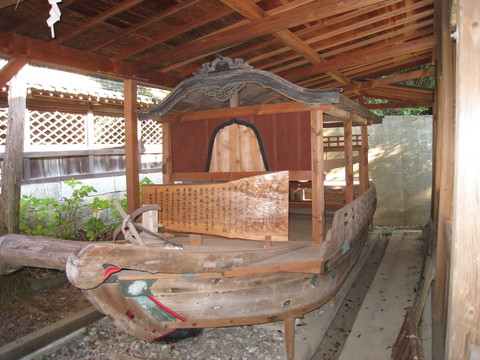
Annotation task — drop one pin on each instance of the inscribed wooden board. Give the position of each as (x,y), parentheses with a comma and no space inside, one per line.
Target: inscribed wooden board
(249,208)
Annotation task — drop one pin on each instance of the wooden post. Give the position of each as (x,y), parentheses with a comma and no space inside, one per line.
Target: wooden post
(166,154)
(12,165)
(348,145)
(443,144)
(90,130)
(289,337)
(463,329)
(364,179)
(131,145)
(12,68)
(318,201)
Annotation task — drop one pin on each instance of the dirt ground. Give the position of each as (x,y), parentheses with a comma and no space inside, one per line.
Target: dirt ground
(50,305)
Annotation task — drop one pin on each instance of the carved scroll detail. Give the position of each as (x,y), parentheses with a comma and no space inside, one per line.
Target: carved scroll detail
(223,93)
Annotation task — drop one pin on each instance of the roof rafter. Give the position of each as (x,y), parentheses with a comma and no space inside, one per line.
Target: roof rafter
(364,55)
(254,13)
(228,38)
(121,7)
(148,21)
(327,33)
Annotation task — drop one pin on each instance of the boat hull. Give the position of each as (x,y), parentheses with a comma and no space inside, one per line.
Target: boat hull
(150,305)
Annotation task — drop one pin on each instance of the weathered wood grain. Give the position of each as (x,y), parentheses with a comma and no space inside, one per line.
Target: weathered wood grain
(249,208)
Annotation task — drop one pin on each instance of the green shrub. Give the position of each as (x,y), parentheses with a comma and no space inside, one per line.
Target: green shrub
(61,219)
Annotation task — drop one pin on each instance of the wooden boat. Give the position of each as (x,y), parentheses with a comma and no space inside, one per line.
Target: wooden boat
(232,260)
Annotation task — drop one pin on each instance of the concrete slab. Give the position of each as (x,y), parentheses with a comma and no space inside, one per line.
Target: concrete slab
(378,322)
(315,324)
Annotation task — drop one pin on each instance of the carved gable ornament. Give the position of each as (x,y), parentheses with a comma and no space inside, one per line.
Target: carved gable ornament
(224,77)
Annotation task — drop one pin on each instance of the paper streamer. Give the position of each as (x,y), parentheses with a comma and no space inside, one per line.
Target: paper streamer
(54,15)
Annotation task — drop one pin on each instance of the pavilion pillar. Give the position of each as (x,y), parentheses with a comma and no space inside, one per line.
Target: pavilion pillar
(131,145)
(364,179)
(318,200)
(463,326)
(443,165)
(348,144)
(166,153)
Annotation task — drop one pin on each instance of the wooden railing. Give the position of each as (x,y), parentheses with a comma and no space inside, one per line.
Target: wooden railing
(348,224)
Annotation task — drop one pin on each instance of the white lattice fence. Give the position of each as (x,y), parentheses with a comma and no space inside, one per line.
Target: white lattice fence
(151,131)
(56,128)
(109,130)
(65,131)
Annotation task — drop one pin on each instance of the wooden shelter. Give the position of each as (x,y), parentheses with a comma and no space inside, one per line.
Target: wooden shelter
(353,44)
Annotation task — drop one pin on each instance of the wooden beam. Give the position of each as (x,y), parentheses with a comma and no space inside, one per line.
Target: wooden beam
(463,325)
(358,85)
(351,33)
(187,70)
(399,105)
(140,25)
(11,69)
(112,11)
(318,200)
(47,53)
(171,33)
(230,176)
(246,111)
(361,56)
(253,12)
(240,34)
(131,146)
(357,40)
(348,132)
(7,3)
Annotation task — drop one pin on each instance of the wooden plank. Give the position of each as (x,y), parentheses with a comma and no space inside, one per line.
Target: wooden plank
(111,12)
(131,146)
(26,345)
(318,201)
(249,208)
(266,109)
(340,162)
(408,344)
(229,37)
(254,12)
(463,326)
(306,260)
(224,176)
(11,69)
(140,25)
(363,55)
(389,80)
(443,160)
(364,177)
(347,130)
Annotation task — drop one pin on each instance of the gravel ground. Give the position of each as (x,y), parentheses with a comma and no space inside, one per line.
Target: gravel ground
(103,341)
